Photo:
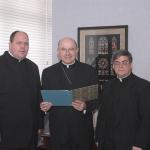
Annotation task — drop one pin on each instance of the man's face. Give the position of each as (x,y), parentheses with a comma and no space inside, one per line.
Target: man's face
(19,46)
(67,51)
(122,66)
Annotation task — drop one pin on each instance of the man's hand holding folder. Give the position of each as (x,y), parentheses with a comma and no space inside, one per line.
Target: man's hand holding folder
(79,105)
(76,98)
(76,104)
(60,98)
(45,106)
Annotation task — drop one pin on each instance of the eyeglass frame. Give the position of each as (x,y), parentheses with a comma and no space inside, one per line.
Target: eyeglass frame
(123,63)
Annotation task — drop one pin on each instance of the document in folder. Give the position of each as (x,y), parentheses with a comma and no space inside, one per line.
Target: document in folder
(57,97)
(65,97)
(86,93)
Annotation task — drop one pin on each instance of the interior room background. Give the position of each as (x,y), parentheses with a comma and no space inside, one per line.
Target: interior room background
(68,15)
(46,21)
(33,17)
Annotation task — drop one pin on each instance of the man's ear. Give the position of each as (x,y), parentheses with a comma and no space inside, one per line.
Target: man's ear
(58,56)
(131,66)
(77,50)
(113,66)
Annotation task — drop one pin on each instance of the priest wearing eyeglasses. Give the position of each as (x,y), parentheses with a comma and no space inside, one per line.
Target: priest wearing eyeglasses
(123,122)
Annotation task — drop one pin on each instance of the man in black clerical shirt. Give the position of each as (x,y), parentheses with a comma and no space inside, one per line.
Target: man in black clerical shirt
(124,117)
(71,127)
(20,115)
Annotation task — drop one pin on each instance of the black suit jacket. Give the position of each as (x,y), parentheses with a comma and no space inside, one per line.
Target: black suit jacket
(124,116)
(20,115)
(66,123)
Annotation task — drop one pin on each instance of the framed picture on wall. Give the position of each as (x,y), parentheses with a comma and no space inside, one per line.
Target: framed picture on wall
(96,45)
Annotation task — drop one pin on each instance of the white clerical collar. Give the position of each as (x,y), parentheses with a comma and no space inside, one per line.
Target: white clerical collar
(123,77)
(68,65)
(19,60)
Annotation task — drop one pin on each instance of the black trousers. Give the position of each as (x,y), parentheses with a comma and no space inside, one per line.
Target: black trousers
(27,148)
(107,145)
(31,146)
(70,146)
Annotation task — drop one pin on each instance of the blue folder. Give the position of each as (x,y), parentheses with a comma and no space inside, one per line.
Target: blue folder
(57,97)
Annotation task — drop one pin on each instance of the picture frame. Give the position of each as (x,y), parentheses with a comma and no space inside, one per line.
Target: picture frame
(97,44)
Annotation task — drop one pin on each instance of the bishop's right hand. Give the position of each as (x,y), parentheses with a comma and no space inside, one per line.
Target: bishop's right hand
(45,106)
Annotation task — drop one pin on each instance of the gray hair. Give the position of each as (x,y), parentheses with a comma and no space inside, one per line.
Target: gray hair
(120,53)
(68,38)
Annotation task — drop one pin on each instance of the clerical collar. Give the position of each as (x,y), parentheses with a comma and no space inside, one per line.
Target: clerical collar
(14,57)
(68,65)
(121,79)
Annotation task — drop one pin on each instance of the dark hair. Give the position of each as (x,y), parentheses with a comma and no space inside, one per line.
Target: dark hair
(12,36)
(120,53)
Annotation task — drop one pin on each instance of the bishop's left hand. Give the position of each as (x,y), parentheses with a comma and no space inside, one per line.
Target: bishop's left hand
(79,105)
(136,148)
